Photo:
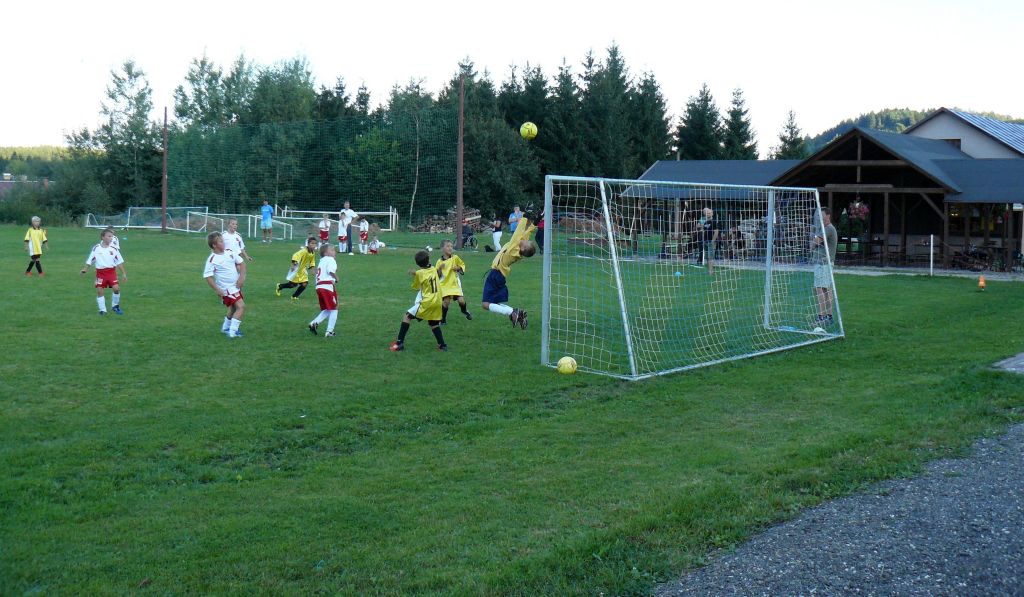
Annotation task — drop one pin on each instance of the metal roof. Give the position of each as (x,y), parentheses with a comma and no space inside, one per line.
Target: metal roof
(986,180)
(1008,133)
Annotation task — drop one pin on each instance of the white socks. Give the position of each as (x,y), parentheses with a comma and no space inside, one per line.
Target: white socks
(102,302)
(233,330)
(500,309)
(333,319)
(115,300)
(320,317)
(227,324)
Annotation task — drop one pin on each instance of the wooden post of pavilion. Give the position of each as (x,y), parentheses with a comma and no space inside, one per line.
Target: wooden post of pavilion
(945,232)
(885,229)
(903,227)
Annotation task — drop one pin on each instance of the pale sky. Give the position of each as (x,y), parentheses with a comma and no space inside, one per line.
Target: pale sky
(826,60)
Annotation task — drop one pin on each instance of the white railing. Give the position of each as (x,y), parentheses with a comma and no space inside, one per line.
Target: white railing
(387,220)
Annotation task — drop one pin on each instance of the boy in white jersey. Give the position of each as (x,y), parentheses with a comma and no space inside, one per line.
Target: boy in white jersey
(326,291)
(364,235)
(375,246)
(325,230)
(114,241)
(225,273)
(107,260)
(233,242)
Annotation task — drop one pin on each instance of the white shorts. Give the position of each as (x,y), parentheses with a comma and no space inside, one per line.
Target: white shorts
(415,308)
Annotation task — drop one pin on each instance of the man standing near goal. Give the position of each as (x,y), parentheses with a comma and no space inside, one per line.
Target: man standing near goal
(495,288)
(267,222)
(345,240)
(709,232)
(822,260)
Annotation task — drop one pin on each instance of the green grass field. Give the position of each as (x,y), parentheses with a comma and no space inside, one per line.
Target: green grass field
(150,454)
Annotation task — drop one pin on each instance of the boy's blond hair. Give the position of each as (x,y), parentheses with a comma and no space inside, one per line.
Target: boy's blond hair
(212,237)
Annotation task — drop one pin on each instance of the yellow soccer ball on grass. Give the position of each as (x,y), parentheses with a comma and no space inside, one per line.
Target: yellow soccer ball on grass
(528,130)
(567,365)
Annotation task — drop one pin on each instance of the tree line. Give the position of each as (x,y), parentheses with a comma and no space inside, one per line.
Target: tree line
(595,119)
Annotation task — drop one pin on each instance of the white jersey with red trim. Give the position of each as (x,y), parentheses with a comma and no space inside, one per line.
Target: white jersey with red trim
(233,242)
(324,269)
(223,269)
(104,257)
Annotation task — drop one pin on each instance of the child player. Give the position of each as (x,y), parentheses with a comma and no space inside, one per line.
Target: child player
(107,260)
(325,230)
(450,268)
(35,240)
(364,235)
(427,305)
(495,289)
(375,246)
(225,273)
(302,261)
(326,290)
(233,242)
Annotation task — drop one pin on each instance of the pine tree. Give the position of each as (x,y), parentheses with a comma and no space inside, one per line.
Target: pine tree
(792,145)
(738,143)
(699,135)
(606,115)
(560,145)
(649,123)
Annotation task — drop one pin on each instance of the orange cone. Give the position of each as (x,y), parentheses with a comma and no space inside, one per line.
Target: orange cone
(981,283)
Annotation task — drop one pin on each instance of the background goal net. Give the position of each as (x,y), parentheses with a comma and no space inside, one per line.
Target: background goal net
(645,278)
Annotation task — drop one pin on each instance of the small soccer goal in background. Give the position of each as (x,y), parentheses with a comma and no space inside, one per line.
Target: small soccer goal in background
(646,278)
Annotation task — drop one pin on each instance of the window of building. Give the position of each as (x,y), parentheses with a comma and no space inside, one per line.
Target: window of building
(953,142)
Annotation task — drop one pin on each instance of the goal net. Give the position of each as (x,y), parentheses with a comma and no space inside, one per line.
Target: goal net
(645,278)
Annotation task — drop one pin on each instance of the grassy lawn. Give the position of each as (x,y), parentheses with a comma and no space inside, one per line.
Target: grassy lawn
(149,454)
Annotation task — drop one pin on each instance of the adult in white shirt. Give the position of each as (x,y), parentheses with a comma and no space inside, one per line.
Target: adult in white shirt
(345,217)
(233,242)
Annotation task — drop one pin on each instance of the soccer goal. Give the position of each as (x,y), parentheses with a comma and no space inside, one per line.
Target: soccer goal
(645,278)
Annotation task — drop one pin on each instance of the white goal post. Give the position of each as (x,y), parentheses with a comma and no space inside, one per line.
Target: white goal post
(644,278)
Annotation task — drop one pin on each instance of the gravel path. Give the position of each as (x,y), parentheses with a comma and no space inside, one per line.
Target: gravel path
(956,530)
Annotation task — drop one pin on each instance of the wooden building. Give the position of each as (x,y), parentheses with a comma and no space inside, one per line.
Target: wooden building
(954,177)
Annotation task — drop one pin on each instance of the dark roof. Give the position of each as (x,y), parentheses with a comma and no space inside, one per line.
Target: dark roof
(919,151)
(741,172)
(1008,133)
(986,180)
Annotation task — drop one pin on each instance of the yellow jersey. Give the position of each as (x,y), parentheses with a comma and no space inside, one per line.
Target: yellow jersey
(429,306)
(509,253)
(35,237)
(305,260)
(451,281)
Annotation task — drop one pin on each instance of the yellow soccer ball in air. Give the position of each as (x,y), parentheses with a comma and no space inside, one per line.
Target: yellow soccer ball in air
(528,130)
(567,365)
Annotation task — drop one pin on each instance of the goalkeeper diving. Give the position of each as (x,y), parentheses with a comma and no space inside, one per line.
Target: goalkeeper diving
(495,285)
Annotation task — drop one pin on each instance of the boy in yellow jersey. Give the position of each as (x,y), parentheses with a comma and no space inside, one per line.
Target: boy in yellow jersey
(35,240)
(495,288)
(450,269)
(427,305)
(302,261)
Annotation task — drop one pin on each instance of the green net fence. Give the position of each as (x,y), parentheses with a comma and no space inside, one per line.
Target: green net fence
(400,161)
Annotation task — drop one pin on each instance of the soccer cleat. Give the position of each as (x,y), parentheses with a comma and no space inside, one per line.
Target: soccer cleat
(329,335)
(29,274)
(396,346)
(117,309)
(41,274)
(468,315)
(295,299)
(351,253)
(442,347)
(313,327)
(277,290)
(522,318)
(103,312)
